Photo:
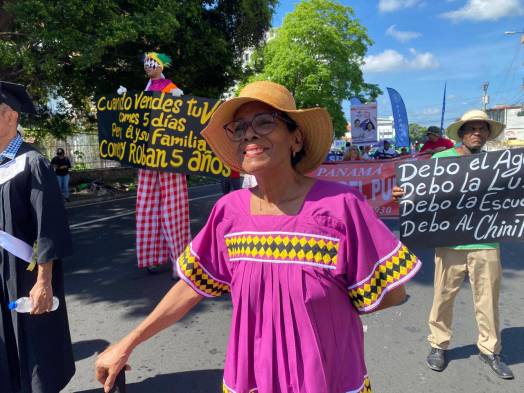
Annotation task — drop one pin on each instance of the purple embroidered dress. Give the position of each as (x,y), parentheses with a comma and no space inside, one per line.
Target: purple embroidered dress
(298,284)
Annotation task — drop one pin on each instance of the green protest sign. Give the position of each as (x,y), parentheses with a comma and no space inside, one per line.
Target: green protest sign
(154,130)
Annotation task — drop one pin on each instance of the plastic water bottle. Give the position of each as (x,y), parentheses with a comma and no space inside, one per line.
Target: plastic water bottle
(25,305)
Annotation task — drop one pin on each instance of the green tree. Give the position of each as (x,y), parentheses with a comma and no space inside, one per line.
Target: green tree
(77,49)
(317,53)
(417,132)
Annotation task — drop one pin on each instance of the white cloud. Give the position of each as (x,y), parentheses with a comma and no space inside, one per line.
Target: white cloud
(393,5)
(402,36)
(390,61)
(422,61)
(480,10)
(431,111)
(386,61)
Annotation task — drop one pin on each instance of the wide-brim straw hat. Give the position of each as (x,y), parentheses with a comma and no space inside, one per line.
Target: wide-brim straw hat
(315,124)
(495,128)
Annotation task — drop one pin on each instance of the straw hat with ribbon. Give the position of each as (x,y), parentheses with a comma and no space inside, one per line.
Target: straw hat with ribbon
(315,124)
(495,128)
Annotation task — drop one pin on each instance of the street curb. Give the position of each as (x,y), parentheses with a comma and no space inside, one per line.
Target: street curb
(104,198)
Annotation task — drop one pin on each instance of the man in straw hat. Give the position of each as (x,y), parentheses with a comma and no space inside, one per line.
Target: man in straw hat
(300,257)
(480,261)
(435,142)
(35,349)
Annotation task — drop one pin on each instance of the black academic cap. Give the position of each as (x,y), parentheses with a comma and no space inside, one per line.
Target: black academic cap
(16,97)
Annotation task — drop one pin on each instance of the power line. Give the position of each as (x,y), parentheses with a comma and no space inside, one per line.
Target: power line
(469,99)
(519,100)
(519,93)
(510,68)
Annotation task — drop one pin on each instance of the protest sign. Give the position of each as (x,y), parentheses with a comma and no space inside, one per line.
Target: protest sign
(154,130)
(364,123)
(463,200)
(374,179)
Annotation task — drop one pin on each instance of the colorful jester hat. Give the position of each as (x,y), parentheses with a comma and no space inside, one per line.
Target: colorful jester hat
(154,60)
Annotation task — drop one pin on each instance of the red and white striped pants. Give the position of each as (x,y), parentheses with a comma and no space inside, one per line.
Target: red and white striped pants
(162,217)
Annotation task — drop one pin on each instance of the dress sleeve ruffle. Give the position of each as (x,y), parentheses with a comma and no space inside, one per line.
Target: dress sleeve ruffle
(202,264)
(376,261)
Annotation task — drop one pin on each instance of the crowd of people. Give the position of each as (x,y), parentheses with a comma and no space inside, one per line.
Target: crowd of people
(301,258)
(385,149)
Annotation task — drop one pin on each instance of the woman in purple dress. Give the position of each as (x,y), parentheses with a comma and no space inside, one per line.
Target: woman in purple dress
(302,258)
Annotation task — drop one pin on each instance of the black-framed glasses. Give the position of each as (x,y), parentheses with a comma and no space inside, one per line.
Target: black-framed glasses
(262,124)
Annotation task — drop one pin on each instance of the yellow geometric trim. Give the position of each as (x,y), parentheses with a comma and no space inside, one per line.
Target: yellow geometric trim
(392,270)
(194,272)
(225,389)
(367,387)
(278,247)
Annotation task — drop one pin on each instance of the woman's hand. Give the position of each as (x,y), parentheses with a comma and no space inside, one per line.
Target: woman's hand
(110,362)
(41,296)
(397,193)
(175,304)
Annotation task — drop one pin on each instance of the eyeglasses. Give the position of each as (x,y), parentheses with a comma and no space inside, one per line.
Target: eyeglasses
(262,124)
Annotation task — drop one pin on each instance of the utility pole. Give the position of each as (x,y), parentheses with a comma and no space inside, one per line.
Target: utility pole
(485,97)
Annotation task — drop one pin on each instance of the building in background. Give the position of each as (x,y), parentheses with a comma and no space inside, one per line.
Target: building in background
(386,128)
(513,117)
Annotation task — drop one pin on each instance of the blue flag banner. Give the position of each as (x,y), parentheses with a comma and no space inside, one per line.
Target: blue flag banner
(400,117)
(443,111)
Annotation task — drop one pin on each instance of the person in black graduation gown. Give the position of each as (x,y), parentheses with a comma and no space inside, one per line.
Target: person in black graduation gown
(35,349)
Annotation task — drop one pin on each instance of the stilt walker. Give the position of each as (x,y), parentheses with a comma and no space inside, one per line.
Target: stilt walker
(162,208)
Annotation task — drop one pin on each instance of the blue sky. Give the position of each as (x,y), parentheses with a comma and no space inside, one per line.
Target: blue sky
(421,44)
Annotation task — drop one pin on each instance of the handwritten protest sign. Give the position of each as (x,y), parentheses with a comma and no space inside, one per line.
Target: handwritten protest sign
(463,200)
(154,130)
(374,179)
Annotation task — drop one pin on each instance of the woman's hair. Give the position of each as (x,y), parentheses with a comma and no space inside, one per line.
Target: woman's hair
(372,125)
(347,156)
(60,151)
(291,127)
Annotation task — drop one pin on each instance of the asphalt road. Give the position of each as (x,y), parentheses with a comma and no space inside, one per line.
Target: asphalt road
(107,295)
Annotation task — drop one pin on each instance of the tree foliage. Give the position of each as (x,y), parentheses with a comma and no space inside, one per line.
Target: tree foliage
(417,132)
(77,49)
(317,53)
